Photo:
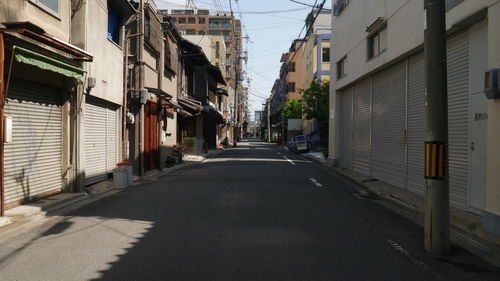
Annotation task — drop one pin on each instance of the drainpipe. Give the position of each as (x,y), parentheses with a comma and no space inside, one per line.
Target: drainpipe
(2,98)
(141,86)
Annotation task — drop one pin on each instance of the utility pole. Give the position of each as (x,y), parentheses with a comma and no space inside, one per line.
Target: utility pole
(437,208)
(269,120)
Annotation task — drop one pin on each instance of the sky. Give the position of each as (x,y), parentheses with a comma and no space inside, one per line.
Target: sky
(270,35)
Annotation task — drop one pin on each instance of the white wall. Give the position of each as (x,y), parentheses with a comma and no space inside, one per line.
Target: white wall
(107,66)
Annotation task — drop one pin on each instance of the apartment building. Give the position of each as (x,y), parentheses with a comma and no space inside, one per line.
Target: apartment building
(206,22)
(377,97)
(316,57)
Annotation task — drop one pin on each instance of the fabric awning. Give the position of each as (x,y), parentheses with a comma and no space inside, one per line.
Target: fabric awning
(26,56)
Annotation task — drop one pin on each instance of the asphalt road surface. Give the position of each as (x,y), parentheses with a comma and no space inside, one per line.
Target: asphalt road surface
(254,212)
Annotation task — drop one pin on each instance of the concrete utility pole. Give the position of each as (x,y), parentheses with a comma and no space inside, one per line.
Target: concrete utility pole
(437,208)
(269,120)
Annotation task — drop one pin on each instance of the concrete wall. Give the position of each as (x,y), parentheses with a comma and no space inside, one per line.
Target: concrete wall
(22,10)
(107,66)
(308,62)
(492,215)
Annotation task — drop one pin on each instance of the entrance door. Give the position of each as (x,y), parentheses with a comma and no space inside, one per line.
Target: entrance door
(479,124)
(150,136)
(478,115)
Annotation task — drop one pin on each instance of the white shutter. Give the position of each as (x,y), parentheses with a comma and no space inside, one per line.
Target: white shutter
(416,124)
(458,118)
(389,115)
(361,124)
(33,160)
(346,133)
(95,142)
(112,133)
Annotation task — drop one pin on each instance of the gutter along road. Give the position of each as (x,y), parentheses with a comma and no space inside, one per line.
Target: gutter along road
(254,212)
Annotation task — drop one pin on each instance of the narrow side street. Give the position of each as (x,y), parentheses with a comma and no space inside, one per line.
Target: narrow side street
(254,212)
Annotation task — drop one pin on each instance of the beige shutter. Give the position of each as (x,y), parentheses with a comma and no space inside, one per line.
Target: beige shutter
(33,160)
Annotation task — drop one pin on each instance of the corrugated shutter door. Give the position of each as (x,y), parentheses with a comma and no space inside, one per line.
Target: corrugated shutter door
(346,149)
(416,124)
(458,118)
(33,160)
(111,148)
(389,115)
(361,124)
(95,142)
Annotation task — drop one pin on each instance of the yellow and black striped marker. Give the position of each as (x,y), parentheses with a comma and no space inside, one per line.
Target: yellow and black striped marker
(435,154)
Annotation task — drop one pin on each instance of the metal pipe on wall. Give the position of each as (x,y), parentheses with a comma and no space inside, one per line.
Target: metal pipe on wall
(2,98)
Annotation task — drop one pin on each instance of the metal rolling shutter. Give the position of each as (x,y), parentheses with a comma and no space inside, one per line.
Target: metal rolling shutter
(100,140)
(361,124)
(346,149)
(389,115)
(111,148)
(458,118)
(415,181)
(33,160)
(95,142)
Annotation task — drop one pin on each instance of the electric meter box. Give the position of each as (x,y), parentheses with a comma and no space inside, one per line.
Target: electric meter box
(492,84)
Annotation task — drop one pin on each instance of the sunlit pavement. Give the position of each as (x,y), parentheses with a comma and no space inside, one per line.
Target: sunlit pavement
(254,212)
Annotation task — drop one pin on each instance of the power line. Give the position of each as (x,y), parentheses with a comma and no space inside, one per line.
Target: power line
(309,5)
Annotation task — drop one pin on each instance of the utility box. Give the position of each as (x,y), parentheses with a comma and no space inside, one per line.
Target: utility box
(122,175)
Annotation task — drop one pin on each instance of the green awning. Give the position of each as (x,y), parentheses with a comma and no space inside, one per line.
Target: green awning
(44,62)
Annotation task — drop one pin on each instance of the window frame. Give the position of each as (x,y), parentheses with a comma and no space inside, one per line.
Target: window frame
(323,55)
(340,68)
(47,9)
(380,41)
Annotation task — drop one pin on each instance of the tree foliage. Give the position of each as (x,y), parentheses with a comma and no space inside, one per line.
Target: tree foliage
(292,109)
(315,101)
(315,104)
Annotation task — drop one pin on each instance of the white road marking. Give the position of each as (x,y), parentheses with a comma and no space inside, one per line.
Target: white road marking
(315,182)
(291,162)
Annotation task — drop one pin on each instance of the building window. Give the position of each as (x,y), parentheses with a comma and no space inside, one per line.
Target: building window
(201,20)
(50,5)
(203,12)
(325,54)
(377,43)
(167,56)
(147,26)
(114,21)
(291,66)
(341,68)
(191,20)
(290,87)
(190,32)
(182,21)
(201,32)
